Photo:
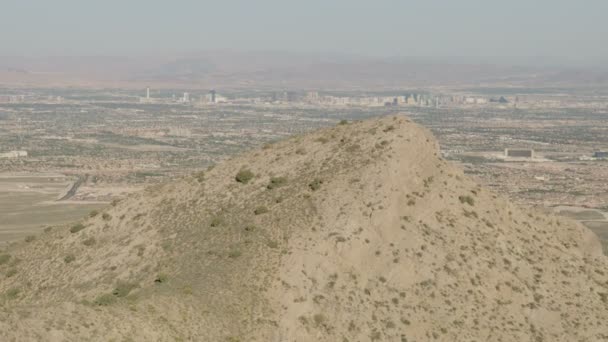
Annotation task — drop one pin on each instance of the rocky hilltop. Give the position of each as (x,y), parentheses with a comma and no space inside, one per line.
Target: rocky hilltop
(359,232)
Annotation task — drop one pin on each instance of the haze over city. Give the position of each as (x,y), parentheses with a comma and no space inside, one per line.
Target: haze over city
(303,171)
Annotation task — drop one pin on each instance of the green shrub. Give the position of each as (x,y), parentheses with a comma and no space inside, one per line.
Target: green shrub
(123,289)
(30,238)
(235,253)
(319,319)
(89,242)
(276,182)
(260,210)
(216,222)
(272,244)
(244,176)
(161,278)
(315,184)
(93,213)
(12,293)
(106,216)
(76,228)
(4,258)
(200,176)
(467,199)
(11,272)
(343,122)
(69,258)
(105,300)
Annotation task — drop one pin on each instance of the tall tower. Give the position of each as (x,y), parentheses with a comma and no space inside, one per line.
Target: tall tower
(148,93)
(212,92)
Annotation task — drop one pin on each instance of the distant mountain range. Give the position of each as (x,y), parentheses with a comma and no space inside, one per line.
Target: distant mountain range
(238,70)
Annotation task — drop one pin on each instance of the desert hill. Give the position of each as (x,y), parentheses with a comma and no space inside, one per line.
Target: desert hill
(359,232)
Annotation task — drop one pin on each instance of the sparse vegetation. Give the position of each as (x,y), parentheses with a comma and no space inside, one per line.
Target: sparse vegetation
(89,242)
(106,216)
(76,228)
(69,258)
(343,122)
(244,176)
(200,176)
(123,289)
(161,278)
(30,238)
(467,199)
(315,184)
(11,272)
(4,258)
(234,253)
(276,182)
(105,300)
(260,210)
(93,213)
(216,221)
(12,293)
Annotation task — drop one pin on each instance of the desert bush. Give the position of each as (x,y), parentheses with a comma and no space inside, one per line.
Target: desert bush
(161,278)
(235,253)
(11,272)
(467,199)
(260,210)
(76,228)
(69,258)
(106,216)
(319,319)
(276,182)
(272,244)
(4,258)
(301,151)
(343,122)
(315,184)
(105,300)
(123,289)
(12,293)
(200,176)
(30,238)
(89,242)
(216,222)
(389,128)
(244,176)
(93,213)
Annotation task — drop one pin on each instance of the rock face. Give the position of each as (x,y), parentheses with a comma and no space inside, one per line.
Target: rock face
(359,232)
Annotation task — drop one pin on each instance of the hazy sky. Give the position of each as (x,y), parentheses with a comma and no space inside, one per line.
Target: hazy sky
(564,29)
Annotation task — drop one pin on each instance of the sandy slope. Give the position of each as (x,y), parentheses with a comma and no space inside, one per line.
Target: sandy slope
(354,233)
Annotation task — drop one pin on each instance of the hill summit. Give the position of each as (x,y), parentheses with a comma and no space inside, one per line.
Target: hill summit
(359,232)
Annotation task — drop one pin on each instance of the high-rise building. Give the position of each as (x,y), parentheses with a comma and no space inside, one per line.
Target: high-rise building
(148,93)
(186,98)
